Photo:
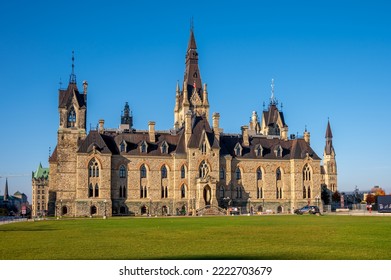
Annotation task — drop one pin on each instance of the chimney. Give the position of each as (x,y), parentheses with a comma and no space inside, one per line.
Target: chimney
(188,126)
(101,126)
(307,137)
(151,131)
(246,141)
(216,130)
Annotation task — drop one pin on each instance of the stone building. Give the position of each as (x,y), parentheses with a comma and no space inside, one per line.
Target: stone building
(194,168)
(40,181)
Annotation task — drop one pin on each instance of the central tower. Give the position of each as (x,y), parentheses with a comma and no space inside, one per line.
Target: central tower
(194,95)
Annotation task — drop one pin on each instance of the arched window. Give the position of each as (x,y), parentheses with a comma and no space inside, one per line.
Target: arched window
(122,147)
(259,174)
(307,173)
(278,174)
(143,171)
(71,118)
(122,172)
(64,210)
(183,171)
(183,191)
(164,171)
(90,191)
(93,168)
(238,173)
(96,194)
(204,169)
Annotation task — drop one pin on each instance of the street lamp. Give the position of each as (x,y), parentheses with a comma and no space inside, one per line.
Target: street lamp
(105,201)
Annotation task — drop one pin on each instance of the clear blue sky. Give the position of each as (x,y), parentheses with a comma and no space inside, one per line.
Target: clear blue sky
(329,59)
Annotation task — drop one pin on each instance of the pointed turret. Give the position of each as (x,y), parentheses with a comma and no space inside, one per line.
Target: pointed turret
(6,195)
(329,161)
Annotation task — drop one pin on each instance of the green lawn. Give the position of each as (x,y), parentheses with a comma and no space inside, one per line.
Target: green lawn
(255,237)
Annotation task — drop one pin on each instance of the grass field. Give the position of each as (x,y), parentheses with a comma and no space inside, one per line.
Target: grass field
(255,237)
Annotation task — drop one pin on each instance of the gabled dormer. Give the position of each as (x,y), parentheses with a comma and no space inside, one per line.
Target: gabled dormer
(258,150)
(123,147)
(143,147)
(164,147)
(238,150)
(278,151)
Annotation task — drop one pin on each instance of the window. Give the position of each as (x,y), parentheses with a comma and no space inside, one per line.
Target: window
(259,174)
(278,174)
(307,173)
(183,172)
(258,193)
(122,191)
(238,174)
(143,192)
(183,191)
(238,150)
(96,194)
(164,171)
(164,148)
(122,147)
(90,191)
(239,192)
(71,118)
(259,151)
(204,170)
(143,171)
(304,192)
(164,192)
(222,173)
(309,192)
(144,147)
(278,151)
(122,172)
(278,192)
(93,168)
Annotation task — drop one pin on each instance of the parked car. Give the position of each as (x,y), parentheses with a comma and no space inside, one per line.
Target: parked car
(309,209)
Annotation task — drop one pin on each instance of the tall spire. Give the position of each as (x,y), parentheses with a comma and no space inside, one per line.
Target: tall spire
(329,149)
(6,196)
(72,77)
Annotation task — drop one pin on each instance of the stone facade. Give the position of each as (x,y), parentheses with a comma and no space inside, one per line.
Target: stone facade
(187,170)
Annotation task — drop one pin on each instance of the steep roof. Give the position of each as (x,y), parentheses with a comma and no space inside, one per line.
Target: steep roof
(65,96)
(41,172)
(200,129)
(271,116)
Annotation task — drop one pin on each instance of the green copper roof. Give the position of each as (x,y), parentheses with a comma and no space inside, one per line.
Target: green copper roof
(41,172)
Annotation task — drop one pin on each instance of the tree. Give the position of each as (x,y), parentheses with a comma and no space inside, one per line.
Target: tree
(377,191)
(370,198)
(336,196)
(325,195)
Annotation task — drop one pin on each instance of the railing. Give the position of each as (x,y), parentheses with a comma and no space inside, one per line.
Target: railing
(8,220)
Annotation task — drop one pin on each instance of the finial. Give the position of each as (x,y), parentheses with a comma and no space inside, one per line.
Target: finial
(192,24)
(281,106)
(72,78)
(305,128)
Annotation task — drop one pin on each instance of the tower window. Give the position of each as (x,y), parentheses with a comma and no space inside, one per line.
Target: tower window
(278,174)
(222,173)
(183,191)
(183,172)
(71,118)
(203,148)
(93,169)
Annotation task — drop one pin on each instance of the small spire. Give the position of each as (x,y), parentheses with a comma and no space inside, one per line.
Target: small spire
(329,134)
(72,77)
(273,100)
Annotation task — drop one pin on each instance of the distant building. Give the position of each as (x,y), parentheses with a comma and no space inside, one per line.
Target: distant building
(12,204)
(194,168)
(40,180)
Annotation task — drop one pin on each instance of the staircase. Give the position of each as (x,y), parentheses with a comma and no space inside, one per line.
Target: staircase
(211,211)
